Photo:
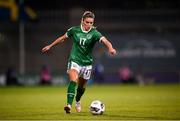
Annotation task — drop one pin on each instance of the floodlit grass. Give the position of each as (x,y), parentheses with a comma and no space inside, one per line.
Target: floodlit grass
(124,102)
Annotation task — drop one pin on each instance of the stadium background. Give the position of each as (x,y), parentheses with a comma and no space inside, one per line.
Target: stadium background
(145,33)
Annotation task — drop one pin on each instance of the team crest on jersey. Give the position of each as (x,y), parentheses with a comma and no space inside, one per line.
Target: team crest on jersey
(88,36)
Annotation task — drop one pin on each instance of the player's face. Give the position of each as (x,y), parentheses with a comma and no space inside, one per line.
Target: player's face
(88,23)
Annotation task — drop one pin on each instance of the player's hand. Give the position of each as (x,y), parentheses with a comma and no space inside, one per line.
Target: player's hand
(46,48)
(112,51)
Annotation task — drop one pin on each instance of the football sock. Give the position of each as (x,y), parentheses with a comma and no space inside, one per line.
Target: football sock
(80,92)
(71,92)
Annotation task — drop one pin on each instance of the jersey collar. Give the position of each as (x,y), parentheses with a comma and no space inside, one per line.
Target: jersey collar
(84,30)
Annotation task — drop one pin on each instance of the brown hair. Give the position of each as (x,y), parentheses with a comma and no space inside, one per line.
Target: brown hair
(88,14)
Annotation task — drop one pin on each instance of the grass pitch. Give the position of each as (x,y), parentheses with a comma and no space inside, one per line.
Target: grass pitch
(123,102)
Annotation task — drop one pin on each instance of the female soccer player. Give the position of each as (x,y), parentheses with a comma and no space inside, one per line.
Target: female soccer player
(80,61)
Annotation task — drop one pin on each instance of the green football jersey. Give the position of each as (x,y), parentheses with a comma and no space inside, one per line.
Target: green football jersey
(83,43)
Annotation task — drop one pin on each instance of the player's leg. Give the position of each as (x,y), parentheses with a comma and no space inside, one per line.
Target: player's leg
(81,88)
(80,91)
(85,74)
(73,76)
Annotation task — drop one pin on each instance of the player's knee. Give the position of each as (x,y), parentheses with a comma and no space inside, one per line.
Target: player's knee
(73,75)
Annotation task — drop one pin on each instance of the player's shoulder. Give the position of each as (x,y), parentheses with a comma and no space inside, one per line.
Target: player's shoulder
(94,29)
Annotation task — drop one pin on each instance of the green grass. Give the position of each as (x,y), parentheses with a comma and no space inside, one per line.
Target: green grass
(123,102)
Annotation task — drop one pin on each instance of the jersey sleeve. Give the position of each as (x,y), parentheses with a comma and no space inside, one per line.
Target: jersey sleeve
(98,36)
(69,32)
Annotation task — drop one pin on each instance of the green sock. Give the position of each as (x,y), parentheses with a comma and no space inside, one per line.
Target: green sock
(71,92)
(80,92)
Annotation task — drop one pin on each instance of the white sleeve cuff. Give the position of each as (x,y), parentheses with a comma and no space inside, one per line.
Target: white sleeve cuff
(66,34)
(101,38)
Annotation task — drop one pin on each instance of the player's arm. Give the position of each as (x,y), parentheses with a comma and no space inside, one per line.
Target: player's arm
(55,42)
(108,45)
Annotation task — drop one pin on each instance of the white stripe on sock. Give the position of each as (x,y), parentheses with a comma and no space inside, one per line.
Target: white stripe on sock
(70,93)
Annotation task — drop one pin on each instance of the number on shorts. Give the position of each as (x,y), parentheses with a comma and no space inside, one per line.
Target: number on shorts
(87,73)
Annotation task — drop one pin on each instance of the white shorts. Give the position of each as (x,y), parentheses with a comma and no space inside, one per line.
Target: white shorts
(83,71)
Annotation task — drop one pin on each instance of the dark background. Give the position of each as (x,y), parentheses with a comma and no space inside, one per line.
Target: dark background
(144,32)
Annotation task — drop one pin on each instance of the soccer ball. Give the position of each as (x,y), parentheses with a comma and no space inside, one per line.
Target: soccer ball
(97,107)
